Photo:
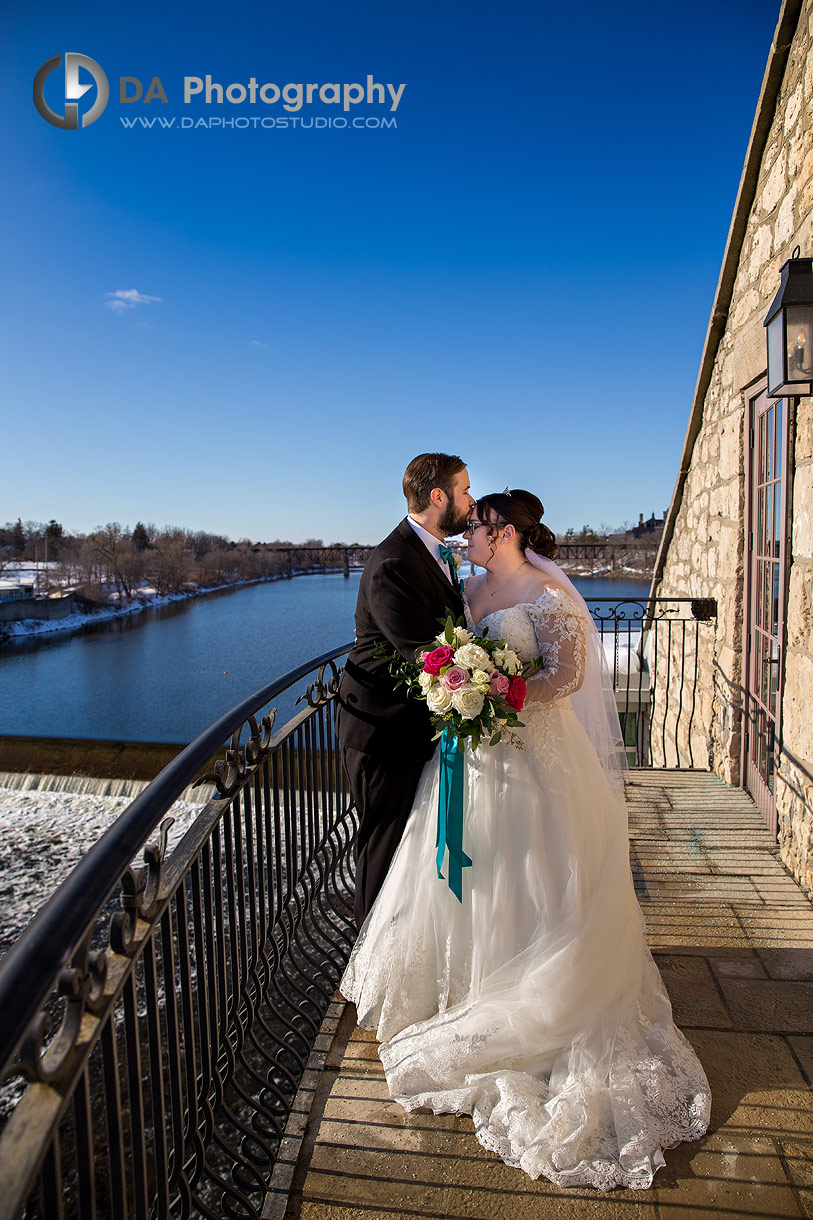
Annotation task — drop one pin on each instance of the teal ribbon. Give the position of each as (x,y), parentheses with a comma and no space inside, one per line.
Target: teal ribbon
(450,813)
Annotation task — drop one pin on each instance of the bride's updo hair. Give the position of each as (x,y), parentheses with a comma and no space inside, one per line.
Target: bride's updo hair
(524,511)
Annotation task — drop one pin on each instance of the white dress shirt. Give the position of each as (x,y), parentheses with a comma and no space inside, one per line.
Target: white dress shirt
(432,545)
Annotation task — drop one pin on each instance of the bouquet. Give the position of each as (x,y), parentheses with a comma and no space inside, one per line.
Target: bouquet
(474,687)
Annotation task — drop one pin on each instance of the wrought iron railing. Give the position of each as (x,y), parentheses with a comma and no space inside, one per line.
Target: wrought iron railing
(655,648)
(183,995)
(156,1019)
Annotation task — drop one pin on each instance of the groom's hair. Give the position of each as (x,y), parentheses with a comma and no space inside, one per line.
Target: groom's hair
(427,471)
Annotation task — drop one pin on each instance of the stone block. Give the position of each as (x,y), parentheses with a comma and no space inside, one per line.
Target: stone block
(774,187)
(693,992)
(784,224)
(768,284)
(803,513)
(730,451)
(804,430)
(806,171)
(806,198)
(775,1007)
(800,607)
(751,300)
(797,147)
(756,1083)
(792,109)
(708,1187)
(738,967)
(789,964)
(796,704)
(804,234)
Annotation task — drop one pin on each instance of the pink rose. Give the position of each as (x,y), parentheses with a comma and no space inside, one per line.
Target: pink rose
(435,660)
(516,694)
(499,683)
(454,678)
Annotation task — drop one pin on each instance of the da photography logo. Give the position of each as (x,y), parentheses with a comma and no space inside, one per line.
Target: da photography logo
(73,91)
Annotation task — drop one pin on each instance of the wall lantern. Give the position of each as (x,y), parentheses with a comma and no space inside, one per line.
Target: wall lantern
(790,331)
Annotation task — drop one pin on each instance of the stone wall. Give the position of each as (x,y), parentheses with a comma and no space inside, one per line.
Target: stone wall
(706,555)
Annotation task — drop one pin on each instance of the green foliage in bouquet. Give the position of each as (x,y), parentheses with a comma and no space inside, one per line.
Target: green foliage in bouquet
(472,685)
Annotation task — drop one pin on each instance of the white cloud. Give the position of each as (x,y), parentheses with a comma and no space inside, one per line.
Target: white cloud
(127,298)
(258,343)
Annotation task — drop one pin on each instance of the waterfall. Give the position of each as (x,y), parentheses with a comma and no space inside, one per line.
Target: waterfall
(85,785)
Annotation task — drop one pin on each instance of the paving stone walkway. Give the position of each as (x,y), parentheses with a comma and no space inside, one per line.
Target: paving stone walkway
(733,937)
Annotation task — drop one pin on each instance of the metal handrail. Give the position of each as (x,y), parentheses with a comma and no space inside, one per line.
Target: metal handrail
(180,1045)
(68,914)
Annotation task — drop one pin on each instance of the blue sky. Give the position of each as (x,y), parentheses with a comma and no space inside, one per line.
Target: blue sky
(520,271)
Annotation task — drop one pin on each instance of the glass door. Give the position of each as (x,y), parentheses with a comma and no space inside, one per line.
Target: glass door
(765,598)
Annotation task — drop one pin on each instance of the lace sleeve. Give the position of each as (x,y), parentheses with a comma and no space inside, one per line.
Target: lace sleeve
(560,635)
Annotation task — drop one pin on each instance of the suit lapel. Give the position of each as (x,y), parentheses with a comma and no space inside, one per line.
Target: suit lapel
(407,532)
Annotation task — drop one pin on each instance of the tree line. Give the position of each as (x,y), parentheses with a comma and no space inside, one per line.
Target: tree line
(173,560)
(168,560)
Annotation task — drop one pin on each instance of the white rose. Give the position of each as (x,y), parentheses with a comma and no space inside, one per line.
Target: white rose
(462,636)
(425,681)
(468,700)
(479,679)
(438,700)
(508,660)
(471,656)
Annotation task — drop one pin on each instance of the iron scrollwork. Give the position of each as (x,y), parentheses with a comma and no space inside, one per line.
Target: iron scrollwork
(140,890)
(81,986)
(319,692)
(230,771)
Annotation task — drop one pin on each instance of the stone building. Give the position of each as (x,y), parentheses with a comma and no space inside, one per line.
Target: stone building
(740,525)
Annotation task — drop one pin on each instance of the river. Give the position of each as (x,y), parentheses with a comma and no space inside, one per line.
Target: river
(166,674)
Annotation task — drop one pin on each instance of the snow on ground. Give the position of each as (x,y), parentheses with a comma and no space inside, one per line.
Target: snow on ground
(43,835)
(145,599)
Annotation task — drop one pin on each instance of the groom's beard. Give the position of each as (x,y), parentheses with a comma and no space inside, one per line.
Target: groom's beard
(453,521)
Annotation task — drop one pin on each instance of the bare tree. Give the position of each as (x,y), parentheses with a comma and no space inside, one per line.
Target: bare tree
(170,561)
(122,564)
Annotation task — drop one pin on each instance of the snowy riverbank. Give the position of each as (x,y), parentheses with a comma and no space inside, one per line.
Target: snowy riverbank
(145,599)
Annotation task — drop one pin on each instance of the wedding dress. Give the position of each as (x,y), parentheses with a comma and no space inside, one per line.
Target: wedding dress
(534,1004)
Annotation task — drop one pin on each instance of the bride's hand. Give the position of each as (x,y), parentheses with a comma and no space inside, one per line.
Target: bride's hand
(532,667)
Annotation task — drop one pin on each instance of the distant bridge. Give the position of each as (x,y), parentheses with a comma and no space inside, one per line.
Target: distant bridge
(353,558)
(345,558)
(594,553)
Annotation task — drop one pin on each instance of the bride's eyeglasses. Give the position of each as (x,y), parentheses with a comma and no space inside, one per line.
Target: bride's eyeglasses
(471,526)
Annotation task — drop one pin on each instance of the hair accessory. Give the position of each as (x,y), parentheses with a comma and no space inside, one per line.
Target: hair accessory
(506,492)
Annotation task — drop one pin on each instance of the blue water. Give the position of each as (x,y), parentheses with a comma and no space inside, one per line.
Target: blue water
(167,674)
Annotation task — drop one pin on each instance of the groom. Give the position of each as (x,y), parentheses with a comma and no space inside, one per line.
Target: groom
(408,584)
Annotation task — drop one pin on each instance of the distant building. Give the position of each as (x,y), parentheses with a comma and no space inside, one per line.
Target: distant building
(740,525)
(12,590)
(646,527)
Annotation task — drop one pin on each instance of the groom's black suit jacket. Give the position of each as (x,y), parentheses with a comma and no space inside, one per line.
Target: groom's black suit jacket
(402,596)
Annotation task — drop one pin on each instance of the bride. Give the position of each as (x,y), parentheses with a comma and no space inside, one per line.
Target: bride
(534,1004)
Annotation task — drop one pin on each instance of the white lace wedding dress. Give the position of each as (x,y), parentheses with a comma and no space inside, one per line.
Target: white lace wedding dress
(534,1004)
